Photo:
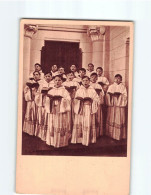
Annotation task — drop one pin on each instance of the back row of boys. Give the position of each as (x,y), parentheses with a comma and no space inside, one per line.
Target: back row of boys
(64,107)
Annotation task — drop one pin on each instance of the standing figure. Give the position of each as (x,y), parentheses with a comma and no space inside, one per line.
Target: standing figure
(102,80)
(90,69)
(73,68)
(58,107)
(85,107)
(54,70)
(100,92)
(116,100)
(82,73)
(37,68)
(40,100)
(31,109)
(61,72)
(71,86)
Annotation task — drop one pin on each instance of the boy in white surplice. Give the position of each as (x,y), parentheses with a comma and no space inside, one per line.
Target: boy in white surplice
(102,80)
(100,92)
(85,107)
(54,70)
(116,100)
(73,68)
(58,107)
(71,86)
(40,99)
(90,69)
(31,109)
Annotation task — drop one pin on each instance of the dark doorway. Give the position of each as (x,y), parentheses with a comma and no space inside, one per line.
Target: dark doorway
(61,53)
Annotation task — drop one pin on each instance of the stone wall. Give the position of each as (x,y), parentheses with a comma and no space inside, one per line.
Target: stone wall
(110,51)
(119,53)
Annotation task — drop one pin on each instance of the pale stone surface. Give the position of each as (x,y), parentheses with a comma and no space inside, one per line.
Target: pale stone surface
(110,51)
(26,59)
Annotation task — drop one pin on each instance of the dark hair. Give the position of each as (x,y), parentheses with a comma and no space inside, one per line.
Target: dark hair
(48,72)
(82,69)
(38,64)
(118,75)
(100,68)
(60,67)
(35,72)
(94,74)
(69,72)
(91,64)
(54,65)
(73,65)
(60,76)
(85,77)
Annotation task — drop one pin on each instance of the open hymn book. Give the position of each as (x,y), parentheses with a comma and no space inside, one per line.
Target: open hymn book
(74,139)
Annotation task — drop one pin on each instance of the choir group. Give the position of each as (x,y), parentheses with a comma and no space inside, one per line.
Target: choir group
(64,108)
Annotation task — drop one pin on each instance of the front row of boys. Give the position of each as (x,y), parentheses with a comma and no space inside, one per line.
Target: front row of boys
(61,111)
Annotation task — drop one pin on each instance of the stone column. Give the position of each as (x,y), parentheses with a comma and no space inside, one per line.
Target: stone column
(97,36)
(35,56)
(86,48)
(29,30)
(127,61)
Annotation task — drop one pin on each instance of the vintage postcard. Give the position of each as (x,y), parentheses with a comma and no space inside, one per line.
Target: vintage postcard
(74,107)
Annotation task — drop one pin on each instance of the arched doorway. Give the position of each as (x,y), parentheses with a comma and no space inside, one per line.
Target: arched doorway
(61,53)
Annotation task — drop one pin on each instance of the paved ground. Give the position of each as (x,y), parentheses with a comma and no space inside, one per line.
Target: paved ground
(105,146)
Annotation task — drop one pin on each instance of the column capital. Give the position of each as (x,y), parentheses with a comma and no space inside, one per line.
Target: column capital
(30,29)
(96,33)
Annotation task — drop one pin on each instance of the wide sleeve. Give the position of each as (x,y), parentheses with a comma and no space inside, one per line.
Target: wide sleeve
(47,101)
(122,100)
(65,102)
(77,102)
(106,82)
(109,97)
(96,102)
(39,96)
(101,95)
(27,94)
(77,85)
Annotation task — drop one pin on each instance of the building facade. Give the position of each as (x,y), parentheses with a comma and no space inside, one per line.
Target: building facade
(105,46)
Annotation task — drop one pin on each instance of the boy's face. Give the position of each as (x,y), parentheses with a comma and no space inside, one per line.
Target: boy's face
(61,70)
(36,76)
(93,78)
(117,80)
(82,73)
(99,72)
(73,68)
(54,68)
(48,77)
(90,67)
(86,82)
(70,76)
(57,81)
(37,67)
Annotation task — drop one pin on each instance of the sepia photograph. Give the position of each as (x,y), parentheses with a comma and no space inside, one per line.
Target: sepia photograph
(74,106)
(75,89)
(75,98)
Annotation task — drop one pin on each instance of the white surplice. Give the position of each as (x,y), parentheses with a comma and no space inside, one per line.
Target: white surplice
(84,129)
(31,109)
(99,117)
(59,117)
(42,116)
(116,122)
(41,75)
(88,73)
